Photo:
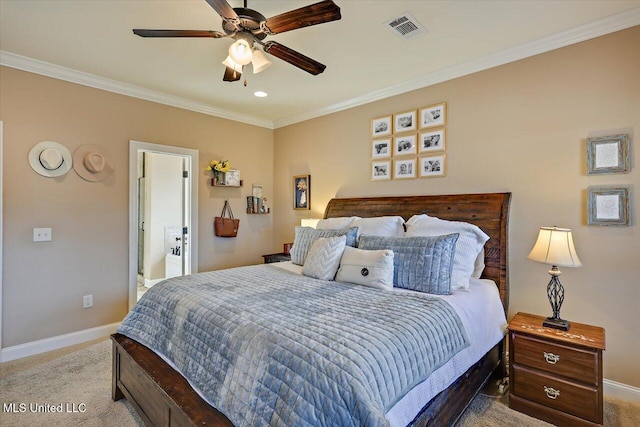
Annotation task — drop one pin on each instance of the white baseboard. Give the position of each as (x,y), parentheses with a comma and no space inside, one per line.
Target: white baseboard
(148,283)
(55,343)
(621,391)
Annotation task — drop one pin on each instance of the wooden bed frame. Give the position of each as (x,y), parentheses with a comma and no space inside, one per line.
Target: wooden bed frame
(162,397)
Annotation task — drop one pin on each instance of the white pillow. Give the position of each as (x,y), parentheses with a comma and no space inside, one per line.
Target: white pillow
(368,268)
(478,266)
(323,258)
(386,226)
(335,223)
(469,245)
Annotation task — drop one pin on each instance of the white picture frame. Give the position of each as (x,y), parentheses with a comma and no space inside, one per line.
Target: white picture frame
(405,121)
(381,170)
(433,140)
(433,166)
(381,148)
(381,126)
(404,168)
(433,115)
(232,178)
(405,145)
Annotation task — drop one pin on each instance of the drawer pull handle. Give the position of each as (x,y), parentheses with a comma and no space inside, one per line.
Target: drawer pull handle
(551,358)
(552,393)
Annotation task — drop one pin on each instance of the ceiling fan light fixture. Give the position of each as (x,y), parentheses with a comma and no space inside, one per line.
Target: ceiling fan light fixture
(232,64)
(240,52)
(259,61)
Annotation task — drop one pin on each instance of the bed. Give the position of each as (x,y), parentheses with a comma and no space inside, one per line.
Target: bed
(162,396)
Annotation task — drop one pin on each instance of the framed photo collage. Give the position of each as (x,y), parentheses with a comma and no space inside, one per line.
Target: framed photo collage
(410,144)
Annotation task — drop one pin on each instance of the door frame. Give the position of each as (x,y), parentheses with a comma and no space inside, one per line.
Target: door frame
(135,148)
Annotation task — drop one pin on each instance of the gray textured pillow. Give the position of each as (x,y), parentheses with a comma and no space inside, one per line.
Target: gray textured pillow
(305,236)
(421,264)
(324,257)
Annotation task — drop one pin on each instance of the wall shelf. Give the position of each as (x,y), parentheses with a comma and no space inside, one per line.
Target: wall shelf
(213,184)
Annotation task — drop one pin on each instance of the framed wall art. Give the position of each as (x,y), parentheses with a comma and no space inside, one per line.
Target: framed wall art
(381,171)
(380,148)
(232,178)
(608,206)
(381,126)
(432,140)
(302,192)
(404,122)
(404,145)
(608,154)
(433,115)
(404,168)
(432,166)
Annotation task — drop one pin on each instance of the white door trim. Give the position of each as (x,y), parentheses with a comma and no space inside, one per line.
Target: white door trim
(136,147)
(1,235)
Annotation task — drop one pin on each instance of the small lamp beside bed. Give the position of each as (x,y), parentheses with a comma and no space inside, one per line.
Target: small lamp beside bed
(309,222)
(555,247)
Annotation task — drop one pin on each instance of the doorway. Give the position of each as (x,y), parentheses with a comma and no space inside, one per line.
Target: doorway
(163,206)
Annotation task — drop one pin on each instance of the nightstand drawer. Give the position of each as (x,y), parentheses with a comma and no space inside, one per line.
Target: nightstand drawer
(557,359)
(565,396)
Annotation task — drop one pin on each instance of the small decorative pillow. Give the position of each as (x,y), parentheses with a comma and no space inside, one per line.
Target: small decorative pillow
(323,258)
(421,264)
(336,223)
(305,236)
(367,268)
(470,243)
(390,226)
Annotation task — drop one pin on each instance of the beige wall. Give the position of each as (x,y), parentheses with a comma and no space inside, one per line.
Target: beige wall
(520,127)
(43,283)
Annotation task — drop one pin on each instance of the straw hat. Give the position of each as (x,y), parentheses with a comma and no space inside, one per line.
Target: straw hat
(50,159)
(92,162)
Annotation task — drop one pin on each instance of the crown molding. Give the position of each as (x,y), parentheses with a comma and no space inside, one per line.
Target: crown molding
(578,34)
(24,63)
(611,24)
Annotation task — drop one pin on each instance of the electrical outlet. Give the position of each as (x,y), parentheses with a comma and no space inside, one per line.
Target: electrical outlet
(42,234)
(87,301)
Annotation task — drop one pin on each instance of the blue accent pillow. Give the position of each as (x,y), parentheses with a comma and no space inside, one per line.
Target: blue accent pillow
(305,236)
(422,264)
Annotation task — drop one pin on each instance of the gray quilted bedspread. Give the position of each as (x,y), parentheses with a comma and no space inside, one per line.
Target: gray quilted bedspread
(269,347)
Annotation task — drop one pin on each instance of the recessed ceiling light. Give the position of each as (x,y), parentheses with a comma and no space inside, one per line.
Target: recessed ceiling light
(260,94)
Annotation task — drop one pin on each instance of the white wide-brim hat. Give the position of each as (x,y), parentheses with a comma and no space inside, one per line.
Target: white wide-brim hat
(50,159)
(92,162)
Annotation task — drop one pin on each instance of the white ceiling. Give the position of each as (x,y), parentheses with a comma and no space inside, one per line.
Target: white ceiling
(90,42)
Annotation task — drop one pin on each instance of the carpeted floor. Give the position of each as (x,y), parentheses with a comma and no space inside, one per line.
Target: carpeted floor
(78,381)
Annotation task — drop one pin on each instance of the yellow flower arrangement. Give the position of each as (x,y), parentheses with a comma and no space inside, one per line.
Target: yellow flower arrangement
(219,166)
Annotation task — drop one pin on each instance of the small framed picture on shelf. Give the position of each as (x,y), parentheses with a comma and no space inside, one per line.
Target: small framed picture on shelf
(433,115)
(608,154)
(381,170)
(405,145)
(608,206)
(432,166)
(404,168)
(380,148)
(404,122)
(232,178)
(432,140)
(381,126)
(302,192)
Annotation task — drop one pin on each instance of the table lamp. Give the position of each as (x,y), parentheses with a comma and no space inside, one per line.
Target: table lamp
(555,247)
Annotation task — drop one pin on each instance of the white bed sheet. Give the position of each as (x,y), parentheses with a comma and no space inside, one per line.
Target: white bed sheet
(481,312)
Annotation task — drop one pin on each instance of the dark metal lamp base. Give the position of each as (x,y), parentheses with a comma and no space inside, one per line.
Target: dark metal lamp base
(561,324)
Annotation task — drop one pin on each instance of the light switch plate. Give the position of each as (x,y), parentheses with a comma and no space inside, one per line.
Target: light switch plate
(42,234)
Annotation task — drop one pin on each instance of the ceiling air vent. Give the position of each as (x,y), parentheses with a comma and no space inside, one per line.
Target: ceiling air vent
(406,26)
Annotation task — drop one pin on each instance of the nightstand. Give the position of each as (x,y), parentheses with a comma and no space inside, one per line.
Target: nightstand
(268,259)
(556,375)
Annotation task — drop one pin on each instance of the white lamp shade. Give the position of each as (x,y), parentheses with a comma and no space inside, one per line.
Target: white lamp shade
(259,61)
(309,222)
(240,52)
(231,64)
(555,247)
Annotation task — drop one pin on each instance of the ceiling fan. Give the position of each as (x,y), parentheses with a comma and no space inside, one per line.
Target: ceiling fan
(249,27)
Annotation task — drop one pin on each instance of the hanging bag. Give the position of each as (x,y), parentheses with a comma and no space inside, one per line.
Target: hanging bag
(226,226)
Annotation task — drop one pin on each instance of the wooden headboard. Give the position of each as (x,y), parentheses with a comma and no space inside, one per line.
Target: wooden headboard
(489,211)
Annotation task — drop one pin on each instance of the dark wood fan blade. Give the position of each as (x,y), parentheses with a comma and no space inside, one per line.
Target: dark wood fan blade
(294,58)
(319,13)
(224,9)
(179,33)
(230,75)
